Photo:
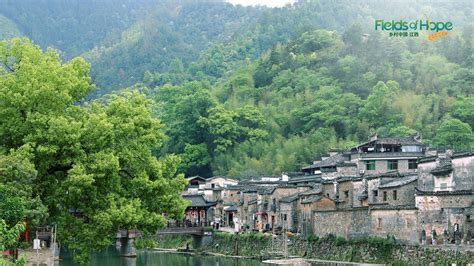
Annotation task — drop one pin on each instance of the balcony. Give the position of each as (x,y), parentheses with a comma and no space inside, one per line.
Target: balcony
(391,155)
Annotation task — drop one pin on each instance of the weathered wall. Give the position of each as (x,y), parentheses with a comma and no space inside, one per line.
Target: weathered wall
(349,224)
(274,217)
(381,165)
(358,223)
(347,170)
(357,189)
(442,212)
(401,224)
(405,195)
(425,178)
(373,185)
(464,172)
(364,250)
(345,200)
(290,210)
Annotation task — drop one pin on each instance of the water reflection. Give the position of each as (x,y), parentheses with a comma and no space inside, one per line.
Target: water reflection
(111,256)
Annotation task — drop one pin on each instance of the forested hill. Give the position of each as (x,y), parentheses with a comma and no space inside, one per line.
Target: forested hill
(248,91)
(125,38)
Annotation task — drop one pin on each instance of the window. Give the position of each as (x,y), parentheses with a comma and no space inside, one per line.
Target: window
(409,223)
(443,186)
(412,164)
(346,194)
(375,193)
(284,217)
(392,164)
(213,185)
(379,223)
(385,196)
(370,165)
(394,195)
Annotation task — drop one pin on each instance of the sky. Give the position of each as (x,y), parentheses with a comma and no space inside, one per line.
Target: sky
(269,3)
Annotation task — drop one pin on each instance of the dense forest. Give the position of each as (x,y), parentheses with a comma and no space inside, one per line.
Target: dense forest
(249,91)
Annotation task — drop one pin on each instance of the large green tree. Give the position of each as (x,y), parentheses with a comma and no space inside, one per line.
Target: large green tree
(96,171)
(455,134)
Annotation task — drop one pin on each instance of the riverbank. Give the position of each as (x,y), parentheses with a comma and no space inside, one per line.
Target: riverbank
(331,248)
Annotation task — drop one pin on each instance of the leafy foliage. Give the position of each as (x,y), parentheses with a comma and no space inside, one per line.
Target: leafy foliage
(212,66)
(96,172)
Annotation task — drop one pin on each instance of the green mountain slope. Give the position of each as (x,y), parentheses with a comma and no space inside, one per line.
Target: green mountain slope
(247,91)
(8,29)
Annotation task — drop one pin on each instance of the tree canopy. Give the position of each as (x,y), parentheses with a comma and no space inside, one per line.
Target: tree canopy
(92,164)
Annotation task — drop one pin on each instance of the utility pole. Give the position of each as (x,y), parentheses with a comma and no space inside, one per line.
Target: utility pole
(285,245)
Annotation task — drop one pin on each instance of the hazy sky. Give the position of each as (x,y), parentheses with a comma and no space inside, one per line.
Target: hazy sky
(270,3)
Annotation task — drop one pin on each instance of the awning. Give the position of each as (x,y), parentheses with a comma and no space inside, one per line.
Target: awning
(232,208)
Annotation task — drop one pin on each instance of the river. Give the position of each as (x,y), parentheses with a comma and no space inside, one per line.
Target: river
(111,257)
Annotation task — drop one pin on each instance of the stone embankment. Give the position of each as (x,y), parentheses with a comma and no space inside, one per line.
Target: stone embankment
(368,250)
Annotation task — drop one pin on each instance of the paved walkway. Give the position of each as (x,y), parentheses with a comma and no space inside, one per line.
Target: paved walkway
(44,257)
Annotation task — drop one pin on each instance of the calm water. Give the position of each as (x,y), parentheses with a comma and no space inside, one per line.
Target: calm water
(111,257)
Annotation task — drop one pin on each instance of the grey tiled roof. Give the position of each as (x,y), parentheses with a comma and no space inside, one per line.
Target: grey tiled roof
(393,141)
(444,166)
(462,154)
(393,173)
(400,182)
(331,161)
(305,178)
(266,190)
(393,207)
(290,198)
(232,208)
(314,191)
(443,193)
(198,201)
(311,199)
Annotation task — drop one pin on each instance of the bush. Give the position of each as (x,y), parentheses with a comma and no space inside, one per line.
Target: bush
(339,241)
(312,238)
(141,243)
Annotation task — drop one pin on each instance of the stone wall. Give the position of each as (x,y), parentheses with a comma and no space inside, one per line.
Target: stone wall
(345,191)
(348,224)
(368,250)
(405,195)
(357,188)
(443,212)
(360,222)
(402,224)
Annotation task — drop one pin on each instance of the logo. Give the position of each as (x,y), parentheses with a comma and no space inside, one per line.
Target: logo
(401,28)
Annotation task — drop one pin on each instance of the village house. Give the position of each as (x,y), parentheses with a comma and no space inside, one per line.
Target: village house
(212,190)
(381,155)
(444,197)
(199,211)
(386,186)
